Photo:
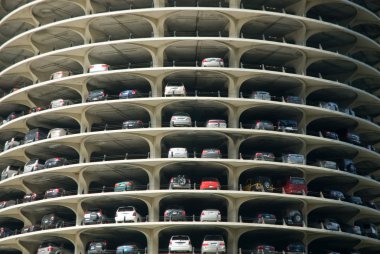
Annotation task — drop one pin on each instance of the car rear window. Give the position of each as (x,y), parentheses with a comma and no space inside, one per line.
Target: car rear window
(181,114)
(126,209)
(297,180)
(213,238)
(180,237)
(210,179)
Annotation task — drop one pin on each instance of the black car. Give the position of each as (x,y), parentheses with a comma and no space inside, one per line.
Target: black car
(131,93)
(35,135)
(347,165)
(287,126)
(350,137)
(180,182)
(133,124)
(334,194)
(52,221)
(352,229)
(4,232)
(29,197)
(55,192)
(175,214)
(330,135)
(293,99)
(372,204)
(355,200)
(98,247)
(370,230)
(295,248)
(55,162)
(94,216)
(97,95)
(293,217)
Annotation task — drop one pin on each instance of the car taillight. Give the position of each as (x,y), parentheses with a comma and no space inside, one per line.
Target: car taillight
(260,247)
(57,159)
(171,180)
(183,213)
(259,154)
(50,248)
(38,135)
(204,151)
(129,184)
(133,91)
(221,244)
(260,215)
(166,213)
(134,214)
(105,66)
(204,244)
(56,190)
(204,60)
(202,213)
(170,242)
(117,185)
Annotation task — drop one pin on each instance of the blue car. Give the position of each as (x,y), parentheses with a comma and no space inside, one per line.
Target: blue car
(127,248)
(133,93)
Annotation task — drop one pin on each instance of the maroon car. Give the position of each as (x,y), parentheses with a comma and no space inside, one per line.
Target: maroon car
(295,185)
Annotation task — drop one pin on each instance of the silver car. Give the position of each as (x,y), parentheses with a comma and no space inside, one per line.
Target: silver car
(329,105)
(261,95)
(325,164)
(180,243)
(60,74)
(213,62)
(59,103)
(210,215)
(216,123)
(175,89)
(293,158)
(33,165)
(180,119)
(213,244)
(177,152)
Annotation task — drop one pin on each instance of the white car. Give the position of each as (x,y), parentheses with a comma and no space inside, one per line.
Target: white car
(59,103)
(216,123)
(57,132)
(213,62)
(261,95)
(60,74)
(98,67)
(175,89)
(180,119)
(213,244)
(177,152)
(127,214)
(210,215)
(180,243)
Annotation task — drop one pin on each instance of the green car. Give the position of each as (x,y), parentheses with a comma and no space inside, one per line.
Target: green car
(124,186)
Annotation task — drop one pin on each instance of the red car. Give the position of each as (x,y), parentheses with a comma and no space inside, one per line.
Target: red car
(295,185)
(210,183)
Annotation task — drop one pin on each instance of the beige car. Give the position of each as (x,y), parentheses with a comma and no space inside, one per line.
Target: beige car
(57,132)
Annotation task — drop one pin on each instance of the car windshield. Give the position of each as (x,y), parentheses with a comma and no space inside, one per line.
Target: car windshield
(290,123)
(213,238)
(180,237)
(96,92)
(181,114)
(44,245)
(297,180)
(212,179)
(93,210)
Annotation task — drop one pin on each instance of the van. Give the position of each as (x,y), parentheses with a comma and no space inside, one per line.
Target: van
(35,135)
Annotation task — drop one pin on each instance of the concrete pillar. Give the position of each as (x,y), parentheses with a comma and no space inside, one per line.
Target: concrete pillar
(154,210)
(153,240)
(232,242)
(232,210)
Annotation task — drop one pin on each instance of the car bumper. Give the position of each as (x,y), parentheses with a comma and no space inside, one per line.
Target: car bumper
(181,248)
(125,218)
(184,187)
(181,123)
(210,218)
(213,249)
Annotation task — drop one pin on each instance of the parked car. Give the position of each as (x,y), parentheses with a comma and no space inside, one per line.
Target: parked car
(128,94)
(326,223)
(179,182)
(51,220)
(287,126)
(55,192)
(60,103)
(347,111)
(31,228)
(263,125)
(372,204)
(177,152)
(212,215)
(94,216)
(211,153)
(57,132)
(293,217)
(213,244)
(352,229)
(52,248)
(258,183)
(212,62)
(180,243)
(370,230)
(180,119)
(36,109)
(97,95)
(33,196)
(260,95)
(125,186)
(127,248)
(60,74)
(334,194)
(98,247)
(355,200)
(175,89)
(295,248)
(329,105)
(175,214)
(293,158)
(266,218)
(127,214)
(347,165)
(133,124)
(98,67)
(216,123)
(7,203)
(295,185)
(4,232)
(325,164)
(13,142)
(330,135)
(264,249)
(294,99)
(34,165)
(351,138)
(263,156)
(55,162)
(210,183)
(35,135)
(14,115)
(10,171)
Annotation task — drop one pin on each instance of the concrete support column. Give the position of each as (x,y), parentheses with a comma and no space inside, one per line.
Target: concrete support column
(235,3)
(232,242)
(153,240)
(155,179)
(232,212)
(232,181)
(233,152)
(154,210)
